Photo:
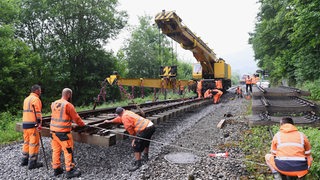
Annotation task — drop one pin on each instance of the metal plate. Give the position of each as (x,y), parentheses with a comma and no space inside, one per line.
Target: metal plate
(181,158)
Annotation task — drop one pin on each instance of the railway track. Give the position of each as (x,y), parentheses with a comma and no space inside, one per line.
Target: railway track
(271,104)
(102,134)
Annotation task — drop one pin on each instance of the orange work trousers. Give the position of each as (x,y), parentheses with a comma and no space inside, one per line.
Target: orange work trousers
(30,148)
(62,142)
(216,97)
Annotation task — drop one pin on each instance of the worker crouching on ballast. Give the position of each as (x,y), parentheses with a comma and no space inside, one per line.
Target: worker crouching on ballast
(63,114)
(137,126)
(290,151)
(217,94)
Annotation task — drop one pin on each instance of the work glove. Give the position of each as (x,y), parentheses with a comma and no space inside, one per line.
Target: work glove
(39,128)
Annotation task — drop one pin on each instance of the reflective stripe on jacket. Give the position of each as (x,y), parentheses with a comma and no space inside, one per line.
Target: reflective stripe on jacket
(63,113)
(292,151)
(28,116)
(133,123)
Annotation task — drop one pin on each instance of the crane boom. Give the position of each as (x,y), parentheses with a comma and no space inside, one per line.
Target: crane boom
(171,25)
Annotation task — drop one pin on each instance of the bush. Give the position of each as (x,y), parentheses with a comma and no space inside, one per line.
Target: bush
(314,88)
(7,128)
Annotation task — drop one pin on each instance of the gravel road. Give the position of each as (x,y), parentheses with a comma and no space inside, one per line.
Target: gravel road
(195,132)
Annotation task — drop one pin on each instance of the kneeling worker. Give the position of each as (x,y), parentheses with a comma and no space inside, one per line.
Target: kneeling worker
(217,94)
(63,114)
(291,151)
(137,126)
(208,93)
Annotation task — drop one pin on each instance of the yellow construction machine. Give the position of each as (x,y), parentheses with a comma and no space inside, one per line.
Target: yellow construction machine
(209,68)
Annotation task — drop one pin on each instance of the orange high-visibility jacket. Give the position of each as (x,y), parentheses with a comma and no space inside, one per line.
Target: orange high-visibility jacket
(239,90)
(28,116)
(207,94)
(63,113)
(292,151)
(132,122)
(249,80)
(219,84)
(199,86)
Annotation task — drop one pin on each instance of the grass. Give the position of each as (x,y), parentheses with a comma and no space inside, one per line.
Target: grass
(149,98)
(7,125)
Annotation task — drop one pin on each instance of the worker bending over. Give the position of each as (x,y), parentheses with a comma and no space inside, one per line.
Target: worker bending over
(63,114)
(290,151)
(239,92)
(217,94)
(31,125)
(137,126)
(208,93)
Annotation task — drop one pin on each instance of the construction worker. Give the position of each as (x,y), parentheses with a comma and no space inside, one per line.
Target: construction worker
(219,84)
(63,114)
(208,93)
(290,151)
(217,94)
(137,126)
(248,84)
(31,124)
(239,92)
(199,89)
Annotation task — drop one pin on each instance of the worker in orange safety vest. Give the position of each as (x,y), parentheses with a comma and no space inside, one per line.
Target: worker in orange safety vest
(219,84)
(208,93)
(239,92)
(248,84)
(62,116)
(137,126)
(290,151)
(217,94)
(31,125)
(199,89)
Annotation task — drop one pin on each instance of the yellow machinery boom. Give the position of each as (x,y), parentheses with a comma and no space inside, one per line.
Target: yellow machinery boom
(163,83)
(211,66)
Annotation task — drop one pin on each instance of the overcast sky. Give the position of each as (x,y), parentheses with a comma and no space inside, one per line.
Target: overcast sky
(222,24)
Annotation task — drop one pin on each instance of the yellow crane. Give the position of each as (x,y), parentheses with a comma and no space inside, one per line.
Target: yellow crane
(209,68)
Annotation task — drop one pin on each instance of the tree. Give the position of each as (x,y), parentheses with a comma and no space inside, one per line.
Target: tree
(286,41)
(17,61)
(69,35)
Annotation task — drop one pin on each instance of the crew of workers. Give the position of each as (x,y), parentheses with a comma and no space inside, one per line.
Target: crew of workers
(62,116)
(209,93)
(290,149)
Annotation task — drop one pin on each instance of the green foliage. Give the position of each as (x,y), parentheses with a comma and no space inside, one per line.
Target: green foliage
(7,128)
(314,88)
(69,36)
(257,143)
(17,61)
(286,41)
(235,78)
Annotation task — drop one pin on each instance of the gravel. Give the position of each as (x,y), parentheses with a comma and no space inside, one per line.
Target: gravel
(195,132)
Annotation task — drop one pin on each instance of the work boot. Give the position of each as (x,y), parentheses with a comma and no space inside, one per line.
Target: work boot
(137,165)
(73,173)
(24,162)
(277,176)
(57,171)
(34,165)
(145,157)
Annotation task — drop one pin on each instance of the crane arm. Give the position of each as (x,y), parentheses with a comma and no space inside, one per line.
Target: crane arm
(171,25)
